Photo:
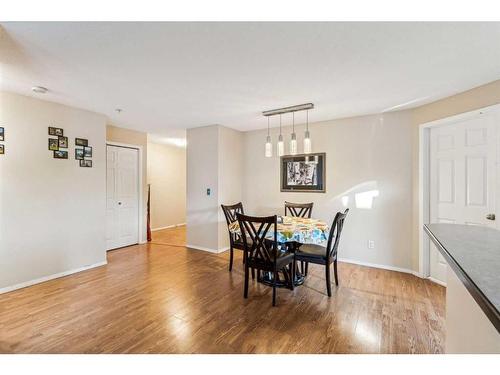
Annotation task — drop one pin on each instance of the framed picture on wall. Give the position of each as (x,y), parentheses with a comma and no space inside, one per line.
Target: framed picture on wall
(79,154)
(2,149)
(303,173)
(63,142)
(81,142)
(53,144)
(60,154)
(56,131)
(86,163)
(87,152)
(2,134)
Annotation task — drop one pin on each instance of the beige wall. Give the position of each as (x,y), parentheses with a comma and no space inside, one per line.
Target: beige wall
(132,137)
(230,172)
(52,211)
(362,154)
(214,161)
(202,173)
(167,176)
(479,97)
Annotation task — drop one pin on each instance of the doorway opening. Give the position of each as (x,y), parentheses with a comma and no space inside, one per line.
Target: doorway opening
(166,174)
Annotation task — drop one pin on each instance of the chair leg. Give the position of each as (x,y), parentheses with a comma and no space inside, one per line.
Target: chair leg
(292,279)
(274,288)
(245,290)
(307,268)
(335,272)
(253,273)
(328,282)
(230,259)
(302,268)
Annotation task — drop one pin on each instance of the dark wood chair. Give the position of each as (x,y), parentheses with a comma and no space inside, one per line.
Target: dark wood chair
(261,252)
(235,241)
(298,209)
(325,255)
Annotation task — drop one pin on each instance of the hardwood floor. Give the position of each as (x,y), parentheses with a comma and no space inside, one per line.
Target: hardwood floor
(171,236)
(165,299)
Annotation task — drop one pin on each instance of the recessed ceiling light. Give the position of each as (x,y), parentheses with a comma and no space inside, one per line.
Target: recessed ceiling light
(39,89)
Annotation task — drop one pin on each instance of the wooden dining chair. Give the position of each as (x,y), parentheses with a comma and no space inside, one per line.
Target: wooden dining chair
(325,255)
(235,241)
(298,209)
(262,250)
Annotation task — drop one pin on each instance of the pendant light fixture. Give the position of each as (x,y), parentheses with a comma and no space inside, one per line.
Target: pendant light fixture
(281,145)
(307,137)
(280,149)
(269,145)
(293,140)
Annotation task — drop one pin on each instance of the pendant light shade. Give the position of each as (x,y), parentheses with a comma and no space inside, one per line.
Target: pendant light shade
(281,144)
(269,145)
(293,140)
(307,137)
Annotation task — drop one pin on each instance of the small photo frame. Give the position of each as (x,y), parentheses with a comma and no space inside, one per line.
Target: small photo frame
(53,144)
(81,142)
(79,154)
(2,134)
(2,149)
(60,154)
(63,142)
(56,131)
(87,151)
(86,163)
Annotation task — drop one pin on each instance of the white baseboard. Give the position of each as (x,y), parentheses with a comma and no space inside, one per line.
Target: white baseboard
(168,227)
(50,277)
(215,251)
(381,266)
(442,283)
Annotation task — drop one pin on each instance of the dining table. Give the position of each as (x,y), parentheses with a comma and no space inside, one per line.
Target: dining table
(291,233)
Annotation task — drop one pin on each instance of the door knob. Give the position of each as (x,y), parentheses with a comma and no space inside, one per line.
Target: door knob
(490,216)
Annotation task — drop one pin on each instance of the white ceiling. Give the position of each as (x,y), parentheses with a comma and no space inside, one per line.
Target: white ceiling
(180,75)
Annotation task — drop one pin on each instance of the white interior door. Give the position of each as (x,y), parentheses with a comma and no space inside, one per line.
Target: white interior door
(122,203)
(462,177)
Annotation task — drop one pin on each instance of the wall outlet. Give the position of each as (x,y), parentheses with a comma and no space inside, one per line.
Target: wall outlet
(371,244)
(208,191)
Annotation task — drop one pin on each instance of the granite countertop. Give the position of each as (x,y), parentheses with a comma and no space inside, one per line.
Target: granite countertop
(474,254)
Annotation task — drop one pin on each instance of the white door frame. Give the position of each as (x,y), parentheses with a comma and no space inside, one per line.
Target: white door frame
(139,187)
(423,180)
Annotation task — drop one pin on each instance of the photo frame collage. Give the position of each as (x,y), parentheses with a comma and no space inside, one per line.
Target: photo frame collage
(83,152)
(59,146)
(2,139)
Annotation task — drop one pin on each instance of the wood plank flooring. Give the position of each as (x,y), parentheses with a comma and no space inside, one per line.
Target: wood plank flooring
(168,299)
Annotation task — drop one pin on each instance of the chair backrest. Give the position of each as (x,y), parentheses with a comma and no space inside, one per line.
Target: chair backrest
(259,238)
(231,210)
(298,209)
(334,237)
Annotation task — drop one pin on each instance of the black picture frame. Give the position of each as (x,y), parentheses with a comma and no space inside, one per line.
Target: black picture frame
(56,131)
(86,163)
(2,149)
(302,174)
(54,144)
(87,151)
(63,142)
(81,142)
(2,134)
(60,154)
(79,154)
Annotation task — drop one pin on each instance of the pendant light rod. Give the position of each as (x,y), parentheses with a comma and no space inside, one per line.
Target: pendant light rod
(294,108)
